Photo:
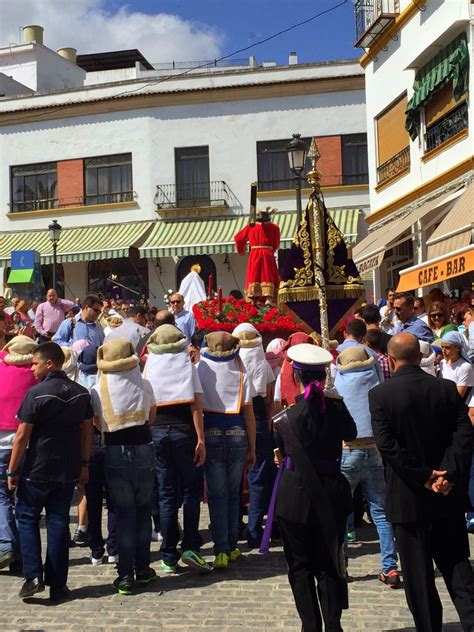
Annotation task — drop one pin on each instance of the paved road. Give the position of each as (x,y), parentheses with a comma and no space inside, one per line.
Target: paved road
(252,595)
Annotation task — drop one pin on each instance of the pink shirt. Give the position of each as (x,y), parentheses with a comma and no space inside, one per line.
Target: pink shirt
(15,381)
(49,316)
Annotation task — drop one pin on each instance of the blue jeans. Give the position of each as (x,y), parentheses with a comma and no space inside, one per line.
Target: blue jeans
(8,530)
(178,480)
(129,472)
(95,491)
(261,478)
(226,453)
(366,467)
(32,498)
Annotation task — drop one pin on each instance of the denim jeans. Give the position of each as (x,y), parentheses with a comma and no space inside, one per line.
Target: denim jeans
(129,472)
(32,498)
(178,479)
(260,478)
(225,460)
(8,530)
(366,467)
(95,491)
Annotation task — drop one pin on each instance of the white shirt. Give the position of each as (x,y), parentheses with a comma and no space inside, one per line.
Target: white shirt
(460,372)
(277,395)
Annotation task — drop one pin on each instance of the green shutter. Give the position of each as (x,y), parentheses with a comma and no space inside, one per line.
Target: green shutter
(452,63)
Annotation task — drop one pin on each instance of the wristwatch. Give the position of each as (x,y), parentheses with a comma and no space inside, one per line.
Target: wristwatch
(11,474)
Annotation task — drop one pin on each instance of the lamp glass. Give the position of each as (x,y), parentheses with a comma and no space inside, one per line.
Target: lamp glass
(297,151)
(54,231)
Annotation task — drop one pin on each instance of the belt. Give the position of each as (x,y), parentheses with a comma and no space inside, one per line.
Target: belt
(364,443)
(258,247)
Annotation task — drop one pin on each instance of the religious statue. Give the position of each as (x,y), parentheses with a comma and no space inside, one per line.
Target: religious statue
(192,287)
(263,237)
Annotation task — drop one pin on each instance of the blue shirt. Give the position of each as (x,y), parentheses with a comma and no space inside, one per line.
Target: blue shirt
(67,334)
(417,327)
(185,322)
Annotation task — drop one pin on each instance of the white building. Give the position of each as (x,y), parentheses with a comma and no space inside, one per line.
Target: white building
(418,65)
(148,170)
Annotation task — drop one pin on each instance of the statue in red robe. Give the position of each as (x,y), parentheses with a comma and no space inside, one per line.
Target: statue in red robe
(263,237)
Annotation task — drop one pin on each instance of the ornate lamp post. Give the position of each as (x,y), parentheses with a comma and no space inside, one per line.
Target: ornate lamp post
(54,234)
(297,150)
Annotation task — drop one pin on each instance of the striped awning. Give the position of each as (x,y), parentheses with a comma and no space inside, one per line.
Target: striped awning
(215,236)
(90,243)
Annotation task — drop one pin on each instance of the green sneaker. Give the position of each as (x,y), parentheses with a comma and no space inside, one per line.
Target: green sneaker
(221,560)
(234,555)
(193,559)
(351,536)
(124,585)
(145,577)
(168,568)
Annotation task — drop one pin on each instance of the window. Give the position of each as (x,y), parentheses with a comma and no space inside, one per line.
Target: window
(355,169)
(444,117)
(274,171)
(108,179)
(192,176)
(393,142)
(33,187)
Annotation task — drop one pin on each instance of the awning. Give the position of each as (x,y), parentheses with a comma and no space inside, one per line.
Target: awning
(89,243)
(437,270)
(452,63)
(456,229)
(216,236)
(369,253)
(20,276)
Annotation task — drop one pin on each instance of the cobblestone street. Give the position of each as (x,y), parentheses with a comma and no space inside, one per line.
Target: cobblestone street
(253,594)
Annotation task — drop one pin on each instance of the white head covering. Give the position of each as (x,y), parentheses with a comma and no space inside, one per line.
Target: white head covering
(253,356)
(169,368)
(193,289)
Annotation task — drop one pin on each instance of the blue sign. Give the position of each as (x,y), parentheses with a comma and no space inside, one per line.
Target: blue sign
(25,259)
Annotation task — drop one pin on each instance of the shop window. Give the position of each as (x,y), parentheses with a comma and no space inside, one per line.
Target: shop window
(125,278)
(273,168)
(393,142)
(108,179)
(192,176)
(396,259)
(207,267)
(355,168)
(33,187)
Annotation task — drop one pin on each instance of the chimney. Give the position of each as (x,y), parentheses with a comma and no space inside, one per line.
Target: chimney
(252,61)
(33,34)
(68,53)
(292,59)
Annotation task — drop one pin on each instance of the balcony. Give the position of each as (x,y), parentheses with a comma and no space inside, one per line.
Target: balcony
(450,125)
(373,17)
(395,166)
(326,181)
(72,202)
(197,198)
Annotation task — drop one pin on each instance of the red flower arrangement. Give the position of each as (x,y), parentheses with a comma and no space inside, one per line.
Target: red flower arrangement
(265,318)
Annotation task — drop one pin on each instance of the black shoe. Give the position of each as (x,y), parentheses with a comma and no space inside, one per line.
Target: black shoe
(31,587)
(59,594)
(81,538)
(146,576)
(124,585)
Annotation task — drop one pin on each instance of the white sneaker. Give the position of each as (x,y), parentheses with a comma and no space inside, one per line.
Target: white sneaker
(112,559)
(156,536)
(96,561)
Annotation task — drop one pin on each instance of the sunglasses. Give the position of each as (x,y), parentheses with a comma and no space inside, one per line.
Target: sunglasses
(437,315)
(175,302)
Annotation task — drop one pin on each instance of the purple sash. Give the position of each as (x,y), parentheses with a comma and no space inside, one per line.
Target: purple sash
(267,532)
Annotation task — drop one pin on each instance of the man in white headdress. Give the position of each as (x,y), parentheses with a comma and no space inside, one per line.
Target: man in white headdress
(192,287)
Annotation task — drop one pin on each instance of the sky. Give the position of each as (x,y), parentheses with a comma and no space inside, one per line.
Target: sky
(189,30)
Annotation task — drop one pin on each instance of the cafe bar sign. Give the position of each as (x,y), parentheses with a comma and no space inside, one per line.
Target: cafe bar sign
(438,270)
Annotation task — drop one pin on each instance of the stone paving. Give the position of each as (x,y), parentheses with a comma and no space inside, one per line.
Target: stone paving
(252,595)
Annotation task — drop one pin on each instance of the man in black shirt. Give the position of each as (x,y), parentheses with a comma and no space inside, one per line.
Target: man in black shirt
(56,433)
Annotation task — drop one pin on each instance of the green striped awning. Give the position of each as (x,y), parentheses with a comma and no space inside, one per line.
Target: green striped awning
(451,63)
(215,236)
(88,243)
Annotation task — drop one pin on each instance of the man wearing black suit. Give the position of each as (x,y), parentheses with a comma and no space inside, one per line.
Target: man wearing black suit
(422,430)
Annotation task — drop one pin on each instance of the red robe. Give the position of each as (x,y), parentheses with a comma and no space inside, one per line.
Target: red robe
(262,272)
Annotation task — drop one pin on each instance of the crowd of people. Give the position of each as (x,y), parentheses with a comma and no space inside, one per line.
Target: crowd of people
(127,407)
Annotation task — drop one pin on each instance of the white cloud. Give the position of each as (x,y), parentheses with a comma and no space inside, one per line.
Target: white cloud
(90,27)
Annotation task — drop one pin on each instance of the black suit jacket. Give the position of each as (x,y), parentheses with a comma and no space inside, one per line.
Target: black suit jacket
(421,424)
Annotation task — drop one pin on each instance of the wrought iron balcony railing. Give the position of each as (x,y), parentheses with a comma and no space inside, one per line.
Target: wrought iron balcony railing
(326,181)
(372,18)
(395,165)
(65,202)
(448,126)
(196,195)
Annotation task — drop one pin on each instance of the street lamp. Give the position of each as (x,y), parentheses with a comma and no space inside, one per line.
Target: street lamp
(297,150)
(54,234)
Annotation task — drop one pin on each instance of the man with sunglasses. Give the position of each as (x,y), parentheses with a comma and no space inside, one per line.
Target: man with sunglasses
(84,326)
(184,320)
(404,306)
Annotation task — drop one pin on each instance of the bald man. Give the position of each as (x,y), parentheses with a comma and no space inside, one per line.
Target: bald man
(184,319)
(422,430)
